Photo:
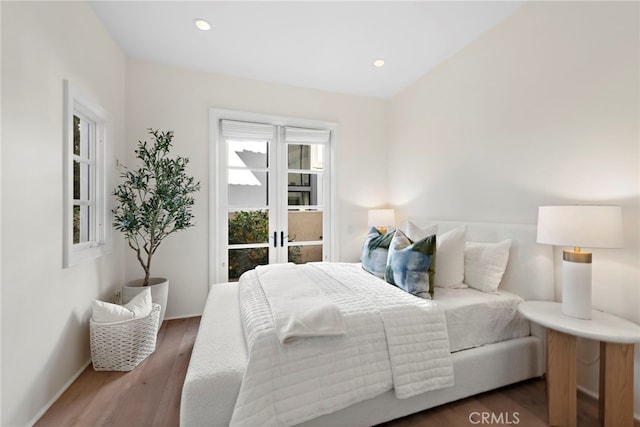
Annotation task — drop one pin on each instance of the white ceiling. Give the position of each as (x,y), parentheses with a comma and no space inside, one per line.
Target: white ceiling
(322,45)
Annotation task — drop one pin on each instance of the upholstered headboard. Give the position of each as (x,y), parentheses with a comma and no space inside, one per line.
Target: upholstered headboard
(529,272)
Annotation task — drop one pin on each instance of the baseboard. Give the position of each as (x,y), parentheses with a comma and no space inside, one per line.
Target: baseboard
(593,394)
(588,392)
(64,388)
(183,316)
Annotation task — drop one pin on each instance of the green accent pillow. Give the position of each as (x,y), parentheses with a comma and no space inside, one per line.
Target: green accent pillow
(411,265)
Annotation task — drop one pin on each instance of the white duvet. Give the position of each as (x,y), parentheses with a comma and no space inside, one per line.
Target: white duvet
(392,340)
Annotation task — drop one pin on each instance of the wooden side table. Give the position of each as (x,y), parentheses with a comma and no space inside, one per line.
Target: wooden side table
(617,337)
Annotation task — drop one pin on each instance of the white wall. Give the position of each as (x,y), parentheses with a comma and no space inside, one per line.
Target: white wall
(0,222)
(166,97)
(45,308)
(542,109)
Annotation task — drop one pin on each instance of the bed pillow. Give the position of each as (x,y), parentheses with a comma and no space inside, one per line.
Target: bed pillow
(450,259)
(484,264)
(410,265)
(416,233)
(139,306)
(375,252)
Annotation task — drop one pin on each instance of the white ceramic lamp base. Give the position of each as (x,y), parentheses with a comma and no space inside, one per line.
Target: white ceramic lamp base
(576,289)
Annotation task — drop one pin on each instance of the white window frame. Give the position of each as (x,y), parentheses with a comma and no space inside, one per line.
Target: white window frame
(98,241)
(217,191)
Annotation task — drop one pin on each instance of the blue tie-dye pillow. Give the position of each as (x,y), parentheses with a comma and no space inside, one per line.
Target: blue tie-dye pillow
(411,266)
(375,252)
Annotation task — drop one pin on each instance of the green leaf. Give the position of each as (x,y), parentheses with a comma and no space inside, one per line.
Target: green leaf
(154,200)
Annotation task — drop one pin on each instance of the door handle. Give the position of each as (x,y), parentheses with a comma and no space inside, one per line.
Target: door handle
(275,239)
(282,239)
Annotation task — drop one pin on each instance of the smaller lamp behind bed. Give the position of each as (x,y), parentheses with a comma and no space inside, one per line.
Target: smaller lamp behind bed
(381,219)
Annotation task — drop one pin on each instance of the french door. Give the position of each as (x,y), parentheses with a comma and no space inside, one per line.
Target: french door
(273,195)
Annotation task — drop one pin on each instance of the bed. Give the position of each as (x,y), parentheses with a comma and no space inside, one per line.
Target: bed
(481,357)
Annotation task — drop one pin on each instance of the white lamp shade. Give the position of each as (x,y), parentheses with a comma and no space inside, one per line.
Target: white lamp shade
(381,217)
(580,226)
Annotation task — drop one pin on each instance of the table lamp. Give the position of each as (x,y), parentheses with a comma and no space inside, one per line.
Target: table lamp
(579,226)
(381,218)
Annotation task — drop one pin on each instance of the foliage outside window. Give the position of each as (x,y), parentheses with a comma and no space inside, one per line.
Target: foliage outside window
(251,227)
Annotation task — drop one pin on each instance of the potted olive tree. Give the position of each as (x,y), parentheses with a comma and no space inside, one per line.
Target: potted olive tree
(153,201)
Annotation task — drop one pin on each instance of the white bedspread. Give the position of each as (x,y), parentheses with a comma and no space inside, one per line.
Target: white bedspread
(392,340)
(299,308)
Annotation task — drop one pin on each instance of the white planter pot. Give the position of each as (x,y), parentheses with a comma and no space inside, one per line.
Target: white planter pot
(159,293)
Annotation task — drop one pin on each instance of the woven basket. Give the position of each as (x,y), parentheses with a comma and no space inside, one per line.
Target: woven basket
(121,346)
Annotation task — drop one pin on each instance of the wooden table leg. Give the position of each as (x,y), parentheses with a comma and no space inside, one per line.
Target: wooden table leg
(561,379)
(616,385)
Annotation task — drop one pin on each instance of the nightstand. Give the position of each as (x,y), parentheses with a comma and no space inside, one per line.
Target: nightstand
(617,337)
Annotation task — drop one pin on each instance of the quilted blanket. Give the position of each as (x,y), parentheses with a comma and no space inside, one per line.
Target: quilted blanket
(393,340)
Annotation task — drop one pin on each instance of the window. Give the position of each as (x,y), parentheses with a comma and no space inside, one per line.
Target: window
(85,180)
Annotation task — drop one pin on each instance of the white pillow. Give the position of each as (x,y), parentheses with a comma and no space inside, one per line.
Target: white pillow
(416,233)
(139,306)
(450,259)
(105,312)
(484,264)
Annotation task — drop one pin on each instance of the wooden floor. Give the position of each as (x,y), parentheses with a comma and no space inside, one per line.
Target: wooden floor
(150,395)
(147,396)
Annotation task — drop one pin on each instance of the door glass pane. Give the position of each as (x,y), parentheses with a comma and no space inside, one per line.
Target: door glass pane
(299,198)
(299,179)
(248,188)
(304,189)
(304,254)
(302,156)
(298,156)
(248,154)
(248,227)
(241,260)
(305,226)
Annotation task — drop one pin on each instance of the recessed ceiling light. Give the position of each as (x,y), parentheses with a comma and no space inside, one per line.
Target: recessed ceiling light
(202,24)
(378,63)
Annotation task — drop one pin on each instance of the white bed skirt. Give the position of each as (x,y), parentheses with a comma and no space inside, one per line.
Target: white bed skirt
(219,358)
